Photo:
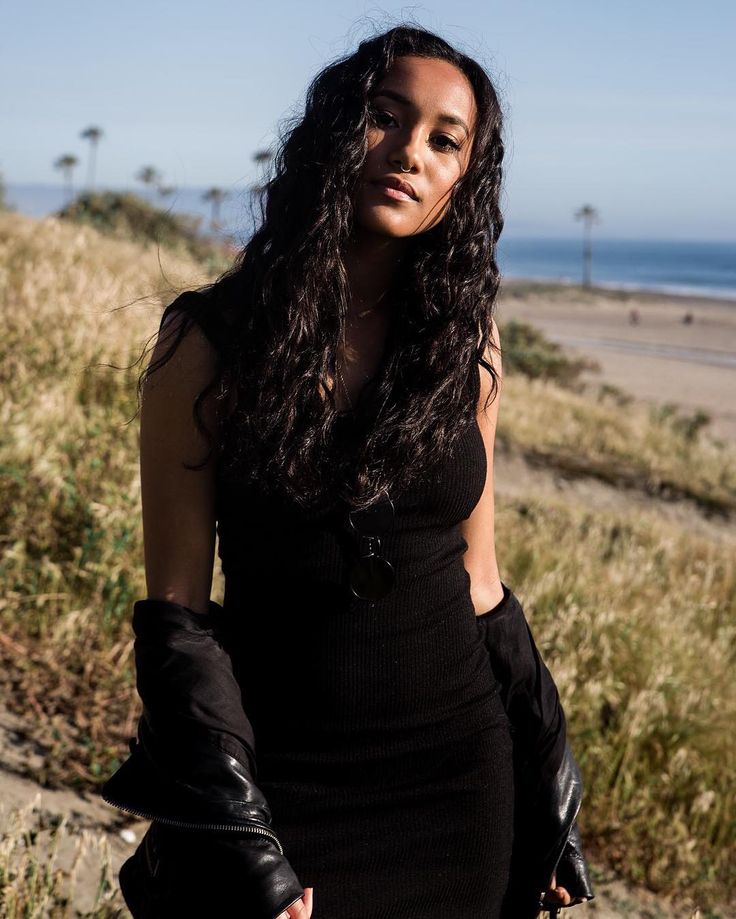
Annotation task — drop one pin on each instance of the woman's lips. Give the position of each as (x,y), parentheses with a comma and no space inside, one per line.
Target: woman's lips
(394,193)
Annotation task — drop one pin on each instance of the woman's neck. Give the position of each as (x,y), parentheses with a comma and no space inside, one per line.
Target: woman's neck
(372,263)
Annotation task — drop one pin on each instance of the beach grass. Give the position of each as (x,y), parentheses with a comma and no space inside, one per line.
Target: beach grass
(34,884)
(636,618)
(657,450)
(637,622)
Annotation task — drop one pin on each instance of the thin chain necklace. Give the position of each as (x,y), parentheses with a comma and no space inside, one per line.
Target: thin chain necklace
(347,394)
(366,377)
(339,372)
(342,378)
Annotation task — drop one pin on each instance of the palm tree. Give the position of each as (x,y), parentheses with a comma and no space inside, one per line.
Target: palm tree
(3,202)
(67,164)
(149,176)
(589,215)
(215,196)
(93,135)
(261,158)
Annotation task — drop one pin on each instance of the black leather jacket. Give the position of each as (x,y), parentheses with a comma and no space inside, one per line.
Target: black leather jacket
(548,789)
(547,844)
(193,765)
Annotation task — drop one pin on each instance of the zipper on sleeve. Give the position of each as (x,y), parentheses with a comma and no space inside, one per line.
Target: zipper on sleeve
(226,827)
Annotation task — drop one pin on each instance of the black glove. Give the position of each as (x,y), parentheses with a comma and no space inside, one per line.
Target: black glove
(548,786)
(193,764)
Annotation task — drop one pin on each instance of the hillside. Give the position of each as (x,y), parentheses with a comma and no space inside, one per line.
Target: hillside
(614,526)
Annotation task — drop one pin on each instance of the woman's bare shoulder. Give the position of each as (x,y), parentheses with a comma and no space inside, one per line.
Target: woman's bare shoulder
(211,313)
(178,503)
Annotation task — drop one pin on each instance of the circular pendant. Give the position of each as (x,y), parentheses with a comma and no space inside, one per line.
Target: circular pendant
(371,577)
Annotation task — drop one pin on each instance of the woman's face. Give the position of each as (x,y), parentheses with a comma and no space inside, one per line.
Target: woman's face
(423,116)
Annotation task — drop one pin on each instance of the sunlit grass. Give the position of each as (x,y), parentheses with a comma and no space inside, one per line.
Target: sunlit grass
(33,882)
(636,619)
(71,560)
(657,450)
(637,622)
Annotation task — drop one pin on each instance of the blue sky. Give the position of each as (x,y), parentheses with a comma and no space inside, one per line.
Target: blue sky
(629,106)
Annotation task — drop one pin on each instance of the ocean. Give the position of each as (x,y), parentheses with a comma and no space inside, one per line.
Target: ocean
(706,269)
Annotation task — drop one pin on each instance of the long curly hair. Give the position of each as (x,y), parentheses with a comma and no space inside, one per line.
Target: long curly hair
(283,303)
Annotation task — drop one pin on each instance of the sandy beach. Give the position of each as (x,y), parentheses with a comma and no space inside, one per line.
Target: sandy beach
(658,359)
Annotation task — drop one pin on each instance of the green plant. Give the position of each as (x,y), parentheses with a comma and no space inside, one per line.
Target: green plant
(128,216)
(528,351)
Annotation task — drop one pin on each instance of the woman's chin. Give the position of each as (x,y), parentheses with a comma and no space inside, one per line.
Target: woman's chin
(381,224)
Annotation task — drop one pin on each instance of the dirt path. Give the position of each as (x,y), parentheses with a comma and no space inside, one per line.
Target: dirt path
(93,829)
(515,477)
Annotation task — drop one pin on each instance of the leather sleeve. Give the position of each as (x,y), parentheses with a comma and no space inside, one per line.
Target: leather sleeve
(548,786)
(193,764)
(185,680)
(528,690)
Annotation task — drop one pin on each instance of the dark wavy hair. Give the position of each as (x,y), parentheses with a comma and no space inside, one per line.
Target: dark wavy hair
(284,302)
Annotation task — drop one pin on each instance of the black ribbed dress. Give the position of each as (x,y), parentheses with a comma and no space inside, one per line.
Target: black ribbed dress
(383,748)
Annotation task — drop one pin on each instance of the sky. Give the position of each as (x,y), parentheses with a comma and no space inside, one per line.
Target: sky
(629,106)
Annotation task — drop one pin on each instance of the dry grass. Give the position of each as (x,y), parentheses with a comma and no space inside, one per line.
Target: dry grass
(658,451)
(636,620)
(33,882)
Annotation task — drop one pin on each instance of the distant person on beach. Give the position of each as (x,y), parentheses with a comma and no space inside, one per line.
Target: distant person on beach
(634,316)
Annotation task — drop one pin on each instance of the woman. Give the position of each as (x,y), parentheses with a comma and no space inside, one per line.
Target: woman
(337,376)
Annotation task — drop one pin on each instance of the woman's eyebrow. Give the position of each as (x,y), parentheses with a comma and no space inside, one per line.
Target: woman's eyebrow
(398,97)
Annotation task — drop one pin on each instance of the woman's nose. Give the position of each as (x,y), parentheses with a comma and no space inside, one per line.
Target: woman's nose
(405,154)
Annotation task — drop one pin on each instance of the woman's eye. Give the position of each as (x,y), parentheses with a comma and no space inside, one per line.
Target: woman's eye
(447,142)
(381,117)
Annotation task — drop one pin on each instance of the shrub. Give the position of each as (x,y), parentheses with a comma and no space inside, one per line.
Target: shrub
(125,215)
(528,351)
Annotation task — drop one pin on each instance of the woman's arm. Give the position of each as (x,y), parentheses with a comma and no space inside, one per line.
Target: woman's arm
(531,701)
(478,530)
(178,503)
(193,762)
